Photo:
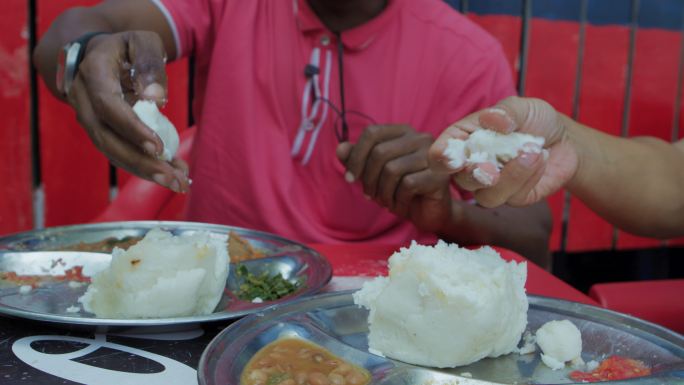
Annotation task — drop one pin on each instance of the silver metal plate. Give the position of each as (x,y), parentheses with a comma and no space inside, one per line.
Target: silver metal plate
(334,322)
(49,302)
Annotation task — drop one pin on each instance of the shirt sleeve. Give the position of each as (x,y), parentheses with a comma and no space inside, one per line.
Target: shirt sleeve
(191,21)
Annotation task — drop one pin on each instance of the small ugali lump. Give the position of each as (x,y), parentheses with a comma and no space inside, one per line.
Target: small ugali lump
(25,289)
(161,276)
(445,306)
(149,114)
(490,146)
(560,342)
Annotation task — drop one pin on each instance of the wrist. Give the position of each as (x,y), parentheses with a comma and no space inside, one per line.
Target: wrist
(575,138)
(68,60)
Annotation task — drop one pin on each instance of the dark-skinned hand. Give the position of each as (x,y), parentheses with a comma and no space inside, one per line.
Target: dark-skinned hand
(118,70)
(391,163)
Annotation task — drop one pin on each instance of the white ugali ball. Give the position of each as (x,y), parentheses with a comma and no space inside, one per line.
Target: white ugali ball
(161,276)
(490,146)
(445,306)
(560,342)
(149,114)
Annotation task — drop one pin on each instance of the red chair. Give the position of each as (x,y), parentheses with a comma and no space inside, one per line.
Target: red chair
(661,301)
(140,199)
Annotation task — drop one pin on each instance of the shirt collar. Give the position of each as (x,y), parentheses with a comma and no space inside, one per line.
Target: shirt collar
(356,38)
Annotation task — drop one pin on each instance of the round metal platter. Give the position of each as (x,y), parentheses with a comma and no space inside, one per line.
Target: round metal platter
(335,323)
(49,302)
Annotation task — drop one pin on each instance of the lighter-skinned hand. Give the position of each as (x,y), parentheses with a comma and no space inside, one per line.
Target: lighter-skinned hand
(528,178)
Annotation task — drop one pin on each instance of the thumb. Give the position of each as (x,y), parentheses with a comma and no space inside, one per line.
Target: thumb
(526,115)
(148,61)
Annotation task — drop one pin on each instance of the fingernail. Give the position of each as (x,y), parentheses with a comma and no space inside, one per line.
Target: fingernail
(496,110)
(175,186)
(527,159)
(510,123)
(150,148)
(160,179)
(189,182)
(545,154)
(154,91)
(483,177)
(367,197)
(349,177)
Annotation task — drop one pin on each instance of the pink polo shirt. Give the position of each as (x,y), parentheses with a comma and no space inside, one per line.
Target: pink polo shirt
(264,154)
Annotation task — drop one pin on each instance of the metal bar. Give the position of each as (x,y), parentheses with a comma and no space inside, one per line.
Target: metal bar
(567,197)
(38,201)
(33,89)
(678,98)
(524,44)
(633,25)
(624,132)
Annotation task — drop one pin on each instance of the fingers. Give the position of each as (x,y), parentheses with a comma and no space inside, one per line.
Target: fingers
(478,176)
(371,136)
(424,183)
(501,119)
(528,115)
(517,178)
(121,152)
(148,58)
(396,175)
(439,161)
(390,160)
(100,73)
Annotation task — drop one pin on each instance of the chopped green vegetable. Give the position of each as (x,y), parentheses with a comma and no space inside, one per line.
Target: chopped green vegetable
(265,286)
(277,378)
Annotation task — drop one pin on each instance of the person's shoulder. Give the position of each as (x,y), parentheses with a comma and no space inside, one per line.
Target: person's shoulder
(451,27)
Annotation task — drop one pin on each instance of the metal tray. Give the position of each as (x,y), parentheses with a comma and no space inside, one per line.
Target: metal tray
(334,322)
(49,302)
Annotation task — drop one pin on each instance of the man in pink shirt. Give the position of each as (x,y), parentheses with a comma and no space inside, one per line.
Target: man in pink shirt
(314,116)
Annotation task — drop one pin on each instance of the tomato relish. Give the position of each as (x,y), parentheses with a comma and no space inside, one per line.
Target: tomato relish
(73,274)
(613,368)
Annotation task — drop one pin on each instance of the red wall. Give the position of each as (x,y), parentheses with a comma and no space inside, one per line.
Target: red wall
(15,136)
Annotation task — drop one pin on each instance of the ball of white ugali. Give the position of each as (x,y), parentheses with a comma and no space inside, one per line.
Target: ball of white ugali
(161,276)
(560,342)
(445,306)
(490,146)
(149,114)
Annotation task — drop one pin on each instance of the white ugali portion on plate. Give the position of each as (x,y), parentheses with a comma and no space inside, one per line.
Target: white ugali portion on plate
(149,114)
(446,306)
(560,342)
(161,276)
(490,146)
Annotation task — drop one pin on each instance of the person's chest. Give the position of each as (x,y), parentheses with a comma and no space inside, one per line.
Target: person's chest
(268,77)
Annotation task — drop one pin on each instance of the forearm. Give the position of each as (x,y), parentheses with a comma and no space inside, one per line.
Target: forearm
(523,230)
(109,16)
(636,184)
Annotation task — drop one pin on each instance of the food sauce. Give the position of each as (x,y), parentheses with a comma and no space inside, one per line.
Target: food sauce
(239,248)
(612,369)
(293,361)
